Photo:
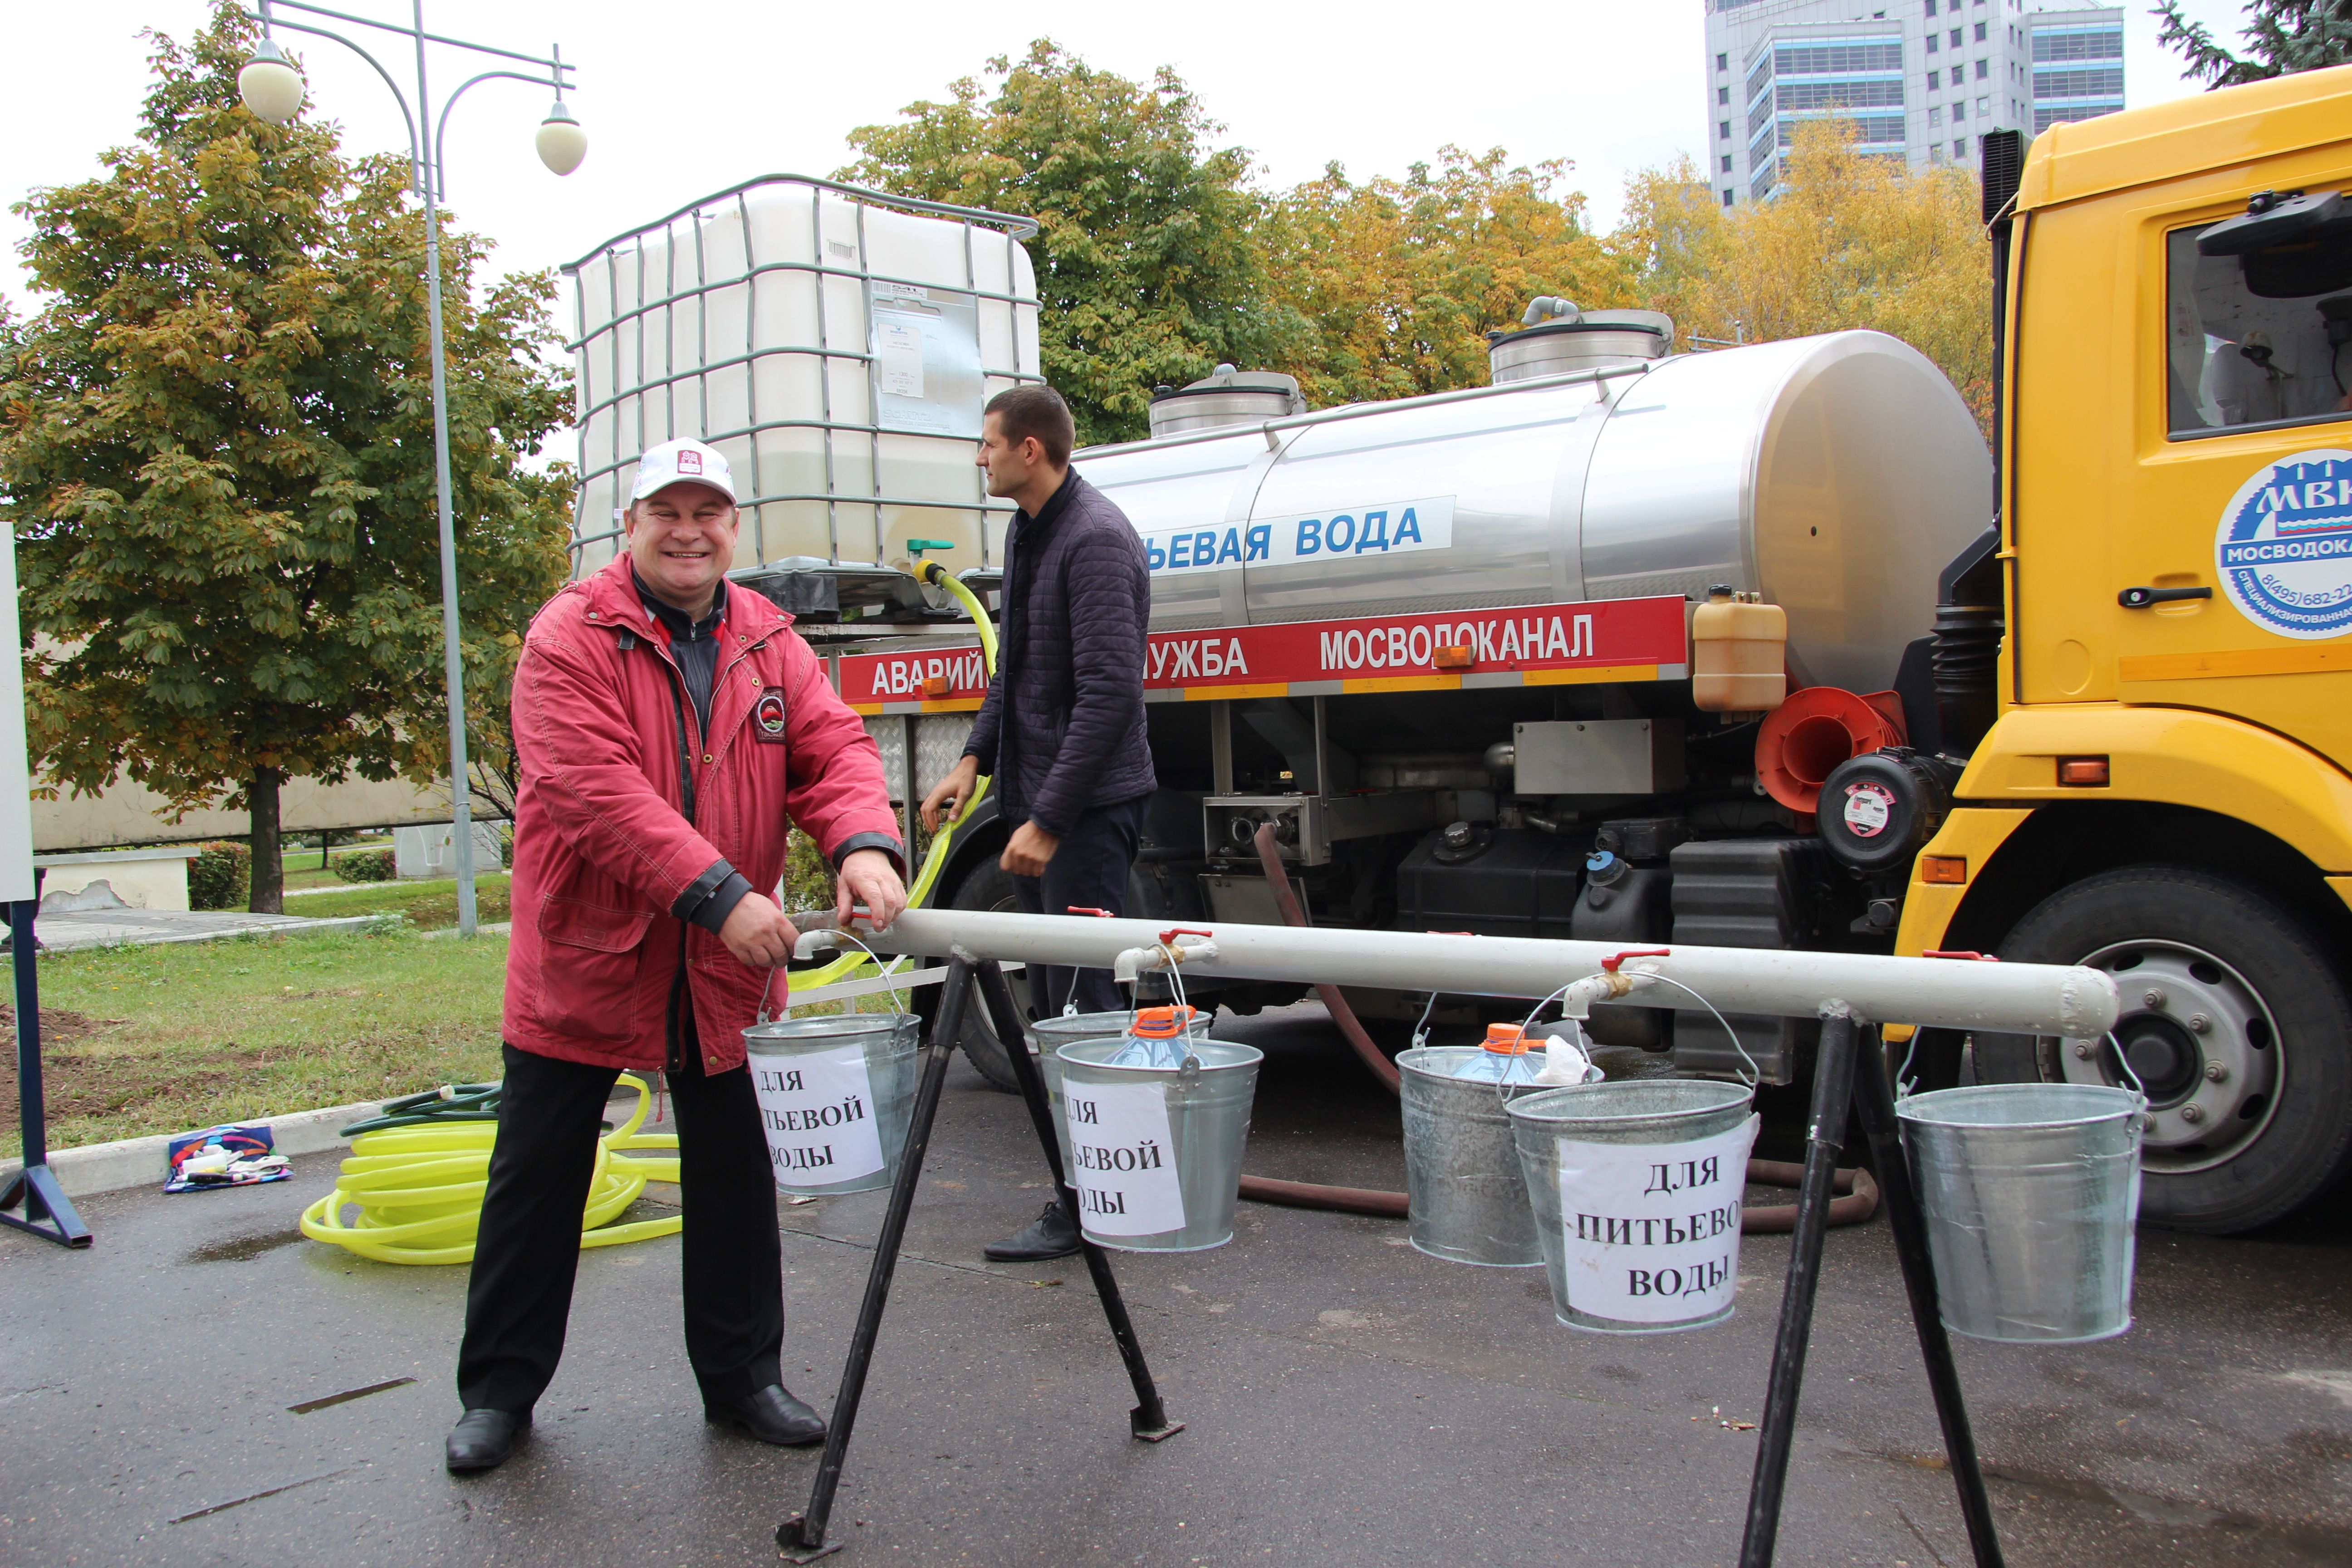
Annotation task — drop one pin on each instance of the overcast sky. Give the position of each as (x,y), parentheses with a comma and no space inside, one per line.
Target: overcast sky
(680,99)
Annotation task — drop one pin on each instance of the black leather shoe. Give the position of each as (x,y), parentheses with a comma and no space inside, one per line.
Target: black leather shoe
(483,1440)
(1050,1235)
(773,1416)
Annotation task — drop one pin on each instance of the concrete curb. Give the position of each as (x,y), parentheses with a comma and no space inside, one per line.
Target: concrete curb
(129,1163)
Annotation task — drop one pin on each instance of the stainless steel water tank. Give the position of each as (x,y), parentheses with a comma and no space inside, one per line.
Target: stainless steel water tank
(1834,475)
(1225,396)
(1594,339)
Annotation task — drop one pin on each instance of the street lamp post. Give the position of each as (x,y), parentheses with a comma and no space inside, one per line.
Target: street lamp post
(273,90)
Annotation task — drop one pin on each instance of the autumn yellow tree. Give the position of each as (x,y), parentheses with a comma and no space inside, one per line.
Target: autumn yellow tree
(1848,240)
(1392,285)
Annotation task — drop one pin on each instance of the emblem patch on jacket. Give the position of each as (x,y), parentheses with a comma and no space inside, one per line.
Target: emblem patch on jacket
(768,715)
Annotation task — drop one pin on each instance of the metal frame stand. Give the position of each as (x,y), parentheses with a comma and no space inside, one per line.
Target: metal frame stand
(35,1186)
(802,1537)
(1850,1070)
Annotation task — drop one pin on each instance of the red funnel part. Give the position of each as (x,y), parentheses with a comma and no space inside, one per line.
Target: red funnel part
(1805,739)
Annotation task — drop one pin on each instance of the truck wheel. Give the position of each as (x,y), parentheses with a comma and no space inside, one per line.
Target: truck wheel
(2234,1020)
(989,887)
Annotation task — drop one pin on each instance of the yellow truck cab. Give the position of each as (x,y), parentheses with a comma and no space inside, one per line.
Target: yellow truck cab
(2165,789)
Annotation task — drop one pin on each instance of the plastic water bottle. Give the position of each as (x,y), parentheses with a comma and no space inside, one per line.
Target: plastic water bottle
(1507,1059)
(1159,1037)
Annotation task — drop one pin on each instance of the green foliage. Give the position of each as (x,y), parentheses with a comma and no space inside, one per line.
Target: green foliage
(1394,284)
(367,866)
(1146,271)
(216,447)
(2283,36)
(219,876)
(808,880)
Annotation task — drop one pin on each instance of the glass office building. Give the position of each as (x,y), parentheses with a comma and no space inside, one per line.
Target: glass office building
(1921,80)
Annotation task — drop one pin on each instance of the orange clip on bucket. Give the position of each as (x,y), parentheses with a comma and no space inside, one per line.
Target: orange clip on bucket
(1804,739)
(1162,1022)
(1507,1040)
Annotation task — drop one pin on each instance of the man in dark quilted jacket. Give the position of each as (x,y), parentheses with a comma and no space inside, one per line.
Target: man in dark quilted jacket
(1061,731)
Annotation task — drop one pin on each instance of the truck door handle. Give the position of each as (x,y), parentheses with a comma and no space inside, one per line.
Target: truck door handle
(2141,598)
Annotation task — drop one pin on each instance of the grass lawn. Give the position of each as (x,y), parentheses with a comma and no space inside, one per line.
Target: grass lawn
(174,1038)
(429,906)
(170,1039)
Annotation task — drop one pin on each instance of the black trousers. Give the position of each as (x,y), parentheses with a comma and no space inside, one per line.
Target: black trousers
(1089,871)
(528,1248)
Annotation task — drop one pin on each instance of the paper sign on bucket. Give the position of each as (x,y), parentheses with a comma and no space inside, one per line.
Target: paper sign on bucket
(1647,1239)
(818,1111)
(1122,1159)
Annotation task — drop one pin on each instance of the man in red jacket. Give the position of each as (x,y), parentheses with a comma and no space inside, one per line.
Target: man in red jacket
(669,726)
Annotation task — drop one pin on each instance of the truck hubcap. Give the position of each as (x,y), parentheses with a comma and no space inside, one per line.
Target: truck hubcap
(2199,1041)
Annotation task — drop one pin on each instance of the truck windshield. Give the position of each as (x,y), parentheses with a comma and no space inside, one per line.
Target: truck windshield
(2256,340)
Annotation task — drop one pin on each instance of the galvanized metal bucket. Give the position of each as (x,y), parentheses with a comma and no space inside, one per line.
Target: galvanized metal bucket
(1048,1036)
(2032,1192)
(1636,1189)
(1465,1200)
(1156,1152)
(836,1097)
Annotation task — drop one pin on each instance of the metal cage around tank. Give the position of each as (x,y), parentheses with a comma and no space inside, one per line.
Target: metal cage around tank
(747,319)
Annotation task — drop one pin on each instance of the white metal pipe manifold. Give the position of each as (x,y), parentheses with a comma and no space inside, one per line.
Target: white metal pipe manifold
(2025,998)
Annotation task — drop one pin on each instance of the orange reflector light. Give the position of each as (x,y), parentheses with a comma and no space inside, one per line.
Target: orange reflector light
(936,687)
(2082,773)
(1948,868)
(1455,657)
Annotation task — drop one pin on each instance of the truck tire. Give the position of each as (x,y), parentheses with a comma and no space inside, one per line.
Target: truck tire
(2233,1019)
(989,887)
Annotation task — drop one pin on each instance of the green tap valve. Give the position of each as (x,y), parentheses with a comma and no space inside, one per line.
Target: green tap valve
(914,547)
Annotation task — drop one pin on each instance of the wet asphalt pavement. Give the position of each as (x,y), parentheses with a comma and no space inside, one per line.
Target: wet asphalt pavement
(1347,1400)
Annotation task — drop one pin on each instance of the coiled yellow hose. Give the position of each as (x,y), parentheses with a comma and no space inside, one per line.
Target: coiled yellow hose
(418,1190)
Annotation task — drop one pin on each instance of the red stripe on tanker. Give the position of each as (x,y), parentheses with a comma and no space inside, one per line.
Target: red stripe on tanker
(1610,633)
(1631,638)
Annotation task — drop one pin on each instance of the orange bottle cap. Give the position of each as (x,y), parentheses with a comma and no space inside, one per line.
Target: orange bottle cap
(1507,1039)
(1161,1023)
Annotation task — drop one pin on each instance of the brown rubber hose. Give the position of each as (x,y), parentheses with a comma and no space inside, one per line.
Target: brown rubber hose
(1315,1195)
(1341,1014)
(1776,1219)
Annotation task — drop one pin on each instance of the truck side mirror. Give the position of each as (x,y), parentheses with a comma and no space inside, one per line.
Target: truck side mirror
(2288,248)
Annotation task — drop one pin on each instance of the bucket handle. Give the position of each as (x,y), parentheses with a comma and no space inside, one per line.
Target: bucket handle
(897,1000)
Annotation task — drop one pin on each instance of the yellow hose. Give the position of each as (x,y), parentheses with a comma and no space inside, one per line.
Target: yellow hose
(418,1190)
(849,965)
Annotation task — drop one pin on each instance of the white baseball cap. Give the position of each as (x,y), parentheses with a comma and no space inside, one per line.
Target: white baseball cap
(685,459)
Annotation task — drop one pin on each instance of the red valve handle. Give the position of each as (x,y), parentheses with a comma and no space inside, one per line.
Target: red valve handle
(1611,962)
(1173,933)
(1979,957)
(1082,910)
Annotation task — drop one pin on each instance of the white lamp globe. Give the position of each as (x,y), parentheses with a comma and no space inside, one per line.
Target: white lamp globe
(561,142)
(270,85)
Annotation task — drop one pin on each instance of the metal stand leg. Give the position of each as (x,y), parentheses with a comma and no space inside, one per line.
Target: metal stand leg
(801,1538)
(1874,1102)
(1149,1419)
(35,1186)
(1833,1091)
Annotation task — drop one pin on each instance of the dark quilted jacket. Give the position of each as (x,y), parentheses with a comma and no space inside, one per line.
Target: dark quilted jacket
(1062,729)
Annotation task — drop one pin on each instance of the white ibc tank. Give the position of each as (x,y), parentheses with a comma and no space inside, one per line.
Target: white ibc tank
(1836,476)
(836,344)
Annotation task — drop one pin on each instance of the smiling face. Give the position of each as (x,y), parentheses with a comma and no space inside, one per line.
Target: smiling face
(681,541)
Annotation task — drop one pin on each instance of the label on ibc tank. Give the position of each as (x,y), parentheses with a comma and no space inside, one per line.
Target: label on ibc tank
(1651,1231)
(818,1110)
(1122,1162)
(2285,546)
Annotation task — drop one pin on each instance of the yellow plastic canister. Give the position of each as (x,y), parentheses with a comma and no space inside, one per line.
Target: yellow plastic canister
(1739,648)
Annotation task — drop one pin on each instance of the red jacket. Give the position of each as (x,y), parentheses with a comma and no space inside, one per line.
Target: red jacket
(603,855)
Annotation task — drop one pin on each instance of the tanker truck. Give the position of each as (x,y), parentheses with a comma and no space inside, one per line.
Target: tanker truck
(1759,646)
